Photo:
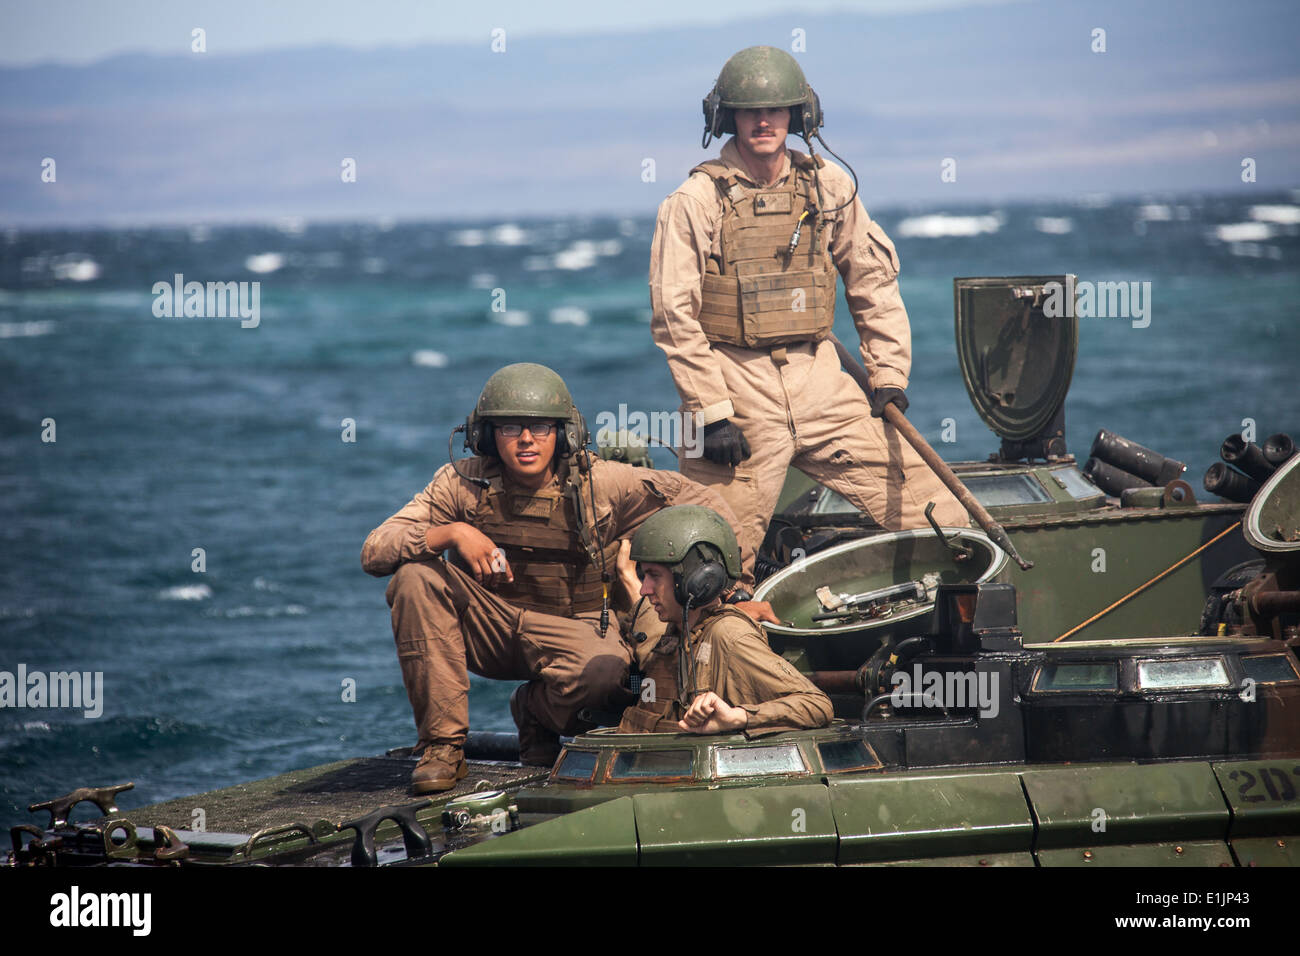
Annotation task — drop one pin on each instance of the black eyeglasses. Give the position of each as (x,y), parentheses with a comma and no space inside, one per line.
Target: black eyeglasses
(536,429)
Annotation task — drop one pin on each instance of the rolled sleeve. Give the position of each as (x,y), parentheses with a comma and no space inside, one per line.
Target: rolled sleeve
(402,537)
(765,685)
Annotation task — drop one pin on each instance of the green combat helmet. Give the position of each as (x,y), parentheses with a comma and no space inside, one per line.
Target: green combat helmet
(524,390)
(756,77)
(696,544)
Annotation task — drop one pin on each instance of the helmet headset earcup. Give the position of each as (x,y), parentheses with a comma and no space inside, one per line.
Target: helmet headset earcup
(810,115)
(573,435)
(478,436)
(700,577)
(714,120)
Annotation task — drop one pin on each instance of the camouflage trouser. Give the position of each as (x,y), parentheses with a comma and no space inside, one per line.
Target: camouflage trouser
(447,624)
(798,407)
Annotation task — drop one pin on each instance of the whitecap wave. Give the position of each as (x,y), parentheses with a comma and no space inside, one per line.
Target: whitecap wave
(288,610)
(482,280)
(75,269)
(18,330)
(428,358)
(508,234)
(1283,215)
(1243,232)
(264,262)
(35,725)
(567,315)
(511,317)
(1155,212)
(939,225)
(186,592)
(467,237)
(1054,225)
(373,265)
(581,255)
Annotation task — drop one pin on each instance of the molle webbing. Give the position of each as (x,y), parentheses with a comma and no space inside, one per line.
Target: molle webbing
(759,295)
(553,572)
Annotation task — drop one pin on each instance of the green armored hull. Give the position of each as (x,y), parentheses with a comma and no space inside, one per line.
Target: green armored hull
(1132,700)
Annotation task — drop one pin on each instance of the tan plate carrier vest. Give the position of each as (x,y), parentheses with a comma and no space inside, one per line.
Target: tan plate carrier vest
(554,571)
(759,295)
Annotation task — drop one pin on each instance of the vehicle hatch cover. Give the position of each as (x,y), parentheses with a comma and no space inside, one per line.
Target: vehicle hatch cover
(1272,521)
(1016,346)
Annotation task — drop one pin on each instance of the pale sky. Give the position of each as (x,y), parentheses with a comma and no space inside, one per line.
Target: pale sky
(83,31)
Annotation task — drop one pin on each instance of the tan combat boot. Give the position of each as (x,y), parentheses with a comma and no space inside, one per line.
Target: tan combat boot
(438,770)
(539,746)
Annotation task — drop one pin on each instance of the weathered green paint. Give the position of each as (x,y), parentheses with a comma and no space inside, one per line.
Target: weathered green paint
(1063,590)
(603,835)
(760,76)
(1016,366)
(1205,853)
(1171,801)
(989,860)
(755,825)
(1071,542)
(1272,521)
(1264,796)
(884,818)
(1267,851)
(668,536)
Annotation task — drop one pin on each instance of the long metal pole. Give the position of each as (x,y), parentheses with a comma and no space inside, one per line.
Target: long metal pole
(931,458)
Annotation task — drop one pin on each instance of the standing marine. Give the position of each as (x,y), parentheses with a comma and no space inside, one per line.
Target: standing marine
(742,291)
(531,526)
(711,670)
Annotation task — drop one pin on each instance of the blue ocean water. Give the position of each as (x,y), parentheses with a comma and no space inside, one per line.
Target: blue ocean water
(180,433)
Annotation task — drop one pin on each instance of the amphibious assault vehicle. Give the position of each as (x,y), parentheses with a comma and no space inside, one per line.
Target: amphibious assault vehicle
(1134,698)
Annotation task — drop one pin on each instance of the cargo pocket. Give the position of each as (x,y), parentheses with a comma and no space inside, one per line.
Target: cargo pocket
(882,247)
(644,717)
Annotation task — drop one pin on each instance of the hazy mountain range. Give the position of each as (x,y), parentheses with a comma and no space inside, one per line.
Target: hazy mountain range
(1015,94)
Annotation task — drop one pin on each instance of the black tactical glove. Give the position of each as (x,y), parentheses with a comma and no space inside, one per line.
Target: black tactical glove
(879,399)
(724,443)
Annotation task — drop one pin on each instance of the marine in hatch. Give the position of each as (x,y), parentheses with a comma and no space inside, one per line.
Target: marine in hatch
(711,670)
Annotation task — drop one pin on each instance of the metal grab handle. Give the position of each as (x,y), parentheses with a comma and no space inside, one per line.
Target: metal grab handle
(246,850)
(61,807)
